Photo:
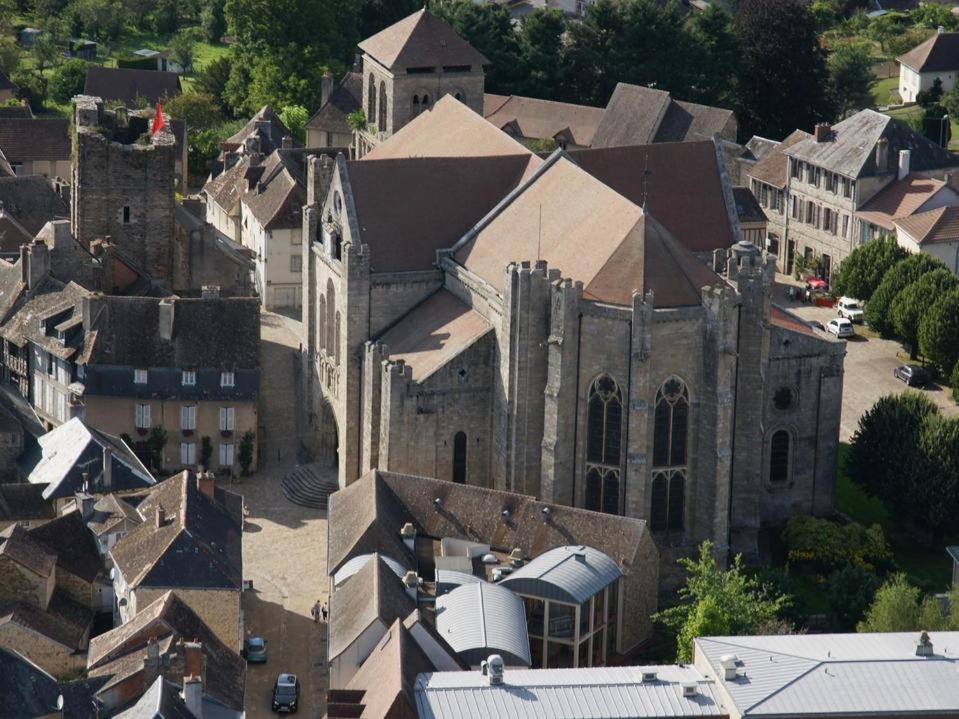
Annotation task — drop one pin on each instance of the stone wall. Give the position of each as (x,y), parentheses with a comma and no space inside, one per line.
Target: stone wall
(76,589)
(19,584)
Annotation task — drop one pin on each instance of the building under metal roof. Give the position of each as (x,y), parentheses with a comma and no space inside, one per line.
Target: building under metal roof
(598,693)
(570,574)
(480,619)
(359,561)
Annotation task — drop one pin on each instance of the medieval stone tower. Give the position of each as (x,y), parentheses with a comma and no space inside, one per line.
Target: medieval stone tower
(122,185)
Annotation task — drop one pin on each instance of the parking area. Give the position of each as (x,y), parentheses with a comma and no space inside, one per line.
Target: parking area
(870,362)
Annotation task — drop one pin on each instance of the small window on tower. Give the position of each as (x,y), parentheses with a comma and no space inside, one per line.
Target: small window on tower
(126,214)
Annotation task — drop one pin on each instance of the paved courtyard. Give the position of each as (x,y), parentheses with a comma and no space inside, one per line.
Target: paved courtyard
(869,366)
(284,545)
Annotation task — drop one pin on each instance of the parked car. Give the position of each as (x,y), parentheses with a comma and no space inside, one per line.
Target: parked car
(913,375)
(254,650)
(816,284)
(841,327)
(286,693)
(850,308)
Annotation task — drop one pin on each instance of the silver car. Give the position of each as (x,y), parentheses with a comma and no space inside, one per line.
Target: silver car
(841,327)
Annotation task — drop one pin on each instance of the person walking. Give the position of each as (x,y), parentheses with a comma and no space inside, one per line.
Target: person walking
(324,612)
(315,611)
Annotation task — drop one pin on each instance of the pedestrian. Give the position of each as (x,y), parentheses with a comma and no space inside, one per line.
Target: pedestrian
(324,611)
(315,611)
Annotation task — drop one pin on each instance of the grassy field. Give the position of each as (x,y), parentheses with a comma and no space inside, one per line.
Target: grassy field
(882,91)
(882,95)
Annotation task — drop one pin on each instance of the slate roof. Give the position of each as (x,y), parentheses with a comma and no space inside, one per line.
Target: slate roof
(684,190)
(433,333)
(748,208)
(79,696)
(67,536)
(898,199)
(345,98)
(74,448)
(758,147)
(220,333)
(64,621)
(26,686)
(198,546)
(12,234)
(367,516)
(421,40)
(35,139)
(280,192)
(11,287)
(373,594)
(18,111)
(933,226)
(161,700)
(110,511)
(56,302)
(24,502)
(940,53)
(773,166)
(126,84)
(533,118)
(17,545)
(388,676)
(32,200)
(266,124)
(169,617)
(851,148)
(563,209)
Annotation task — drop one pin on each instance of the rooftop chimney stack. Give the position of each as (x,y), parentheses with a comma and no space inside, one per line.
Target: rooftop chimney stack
(412,583)
(85,503)
(924,645)
(326,87)
(151,663)
(905,157)
(882,155)
(193,695)
(822,131)
(160,516)
(408,533)
(206,483)
(940,30)
(165,321)
(729,663)
(286,143)
(108,468)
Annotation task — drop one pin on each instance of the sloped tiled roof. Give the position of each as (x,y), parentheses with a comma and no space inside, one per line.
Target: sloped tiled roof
(421,40)
(280,192)
(64,621)
(32,201)
(127,84)
(267,125)
(747,207)
(26,686)
(941,225)
(940,53)
(17,545)
(533,118)
(345,98)
(900,198)
(773,166)
(50,301)
(67,536)
(24,502)
(35,139)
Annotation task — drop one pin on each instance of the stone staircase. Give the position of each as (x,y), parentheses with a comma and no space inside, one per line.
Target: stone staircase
(309,485)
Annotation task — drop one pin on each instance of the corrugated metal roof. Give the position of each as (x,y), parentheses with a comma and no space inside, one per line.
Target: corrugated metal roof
(569,574)
(358,562)
(480,619)
(449,579)
(838,673)
(596,693)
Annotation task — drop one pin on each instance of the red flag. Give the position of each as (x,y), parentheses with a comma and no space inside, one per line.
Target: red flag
(158,122)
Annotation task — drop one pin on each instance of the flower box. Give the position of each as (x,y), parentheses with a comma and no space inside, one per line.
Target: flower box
(226,432)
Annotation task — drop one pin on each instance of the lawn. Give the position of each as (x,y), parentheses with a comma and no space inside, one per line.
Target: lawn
(882,91)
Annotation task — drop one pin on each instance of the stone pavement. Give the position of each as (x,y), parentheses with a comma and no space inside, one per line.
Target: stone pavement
(284,545)
(868,369)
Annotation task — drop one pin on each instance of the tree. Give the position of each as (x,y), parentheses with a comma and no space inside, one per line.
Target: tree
(712,31)
(885,27)
(933,16)
(541,53)
(245,454)
(862,271)
(713,599)
(156,441)
(204,146)
(9,55)
(783,83)
(68,80)
(930,97)
(376,15)
(912,304)
(894,609)
(100,19)
(212,81)
(213,21)
(295,118)
(885,456)
(45,51)
(356,120)
(896,279)
(939,332)
(851,590)
(31,86)
(199,110)
(851,76)
(933,500)
(824,14)
(206,451)
(544,144)
(183,47)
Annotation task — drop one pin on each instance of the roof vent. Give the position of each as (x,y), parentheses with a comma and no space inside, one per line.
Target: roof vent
(410,579)
(437,504)
(729,663)
(505,515)
(489,559)
(408,531)
(649,676)
(545,511)
(690,689)
(493,668)
(516,557)
(924,645)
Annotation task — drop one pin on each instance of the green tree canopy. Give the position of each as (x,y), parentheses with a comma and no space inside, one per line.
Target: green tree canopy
(894,609)
(68,80)
(295,118)
(862,271)
(896,279)
(541,53)
(934,498)
(850,591)
(199,110)
(851,76)
(939,331)
(913,303)
(212,80)
(716,600)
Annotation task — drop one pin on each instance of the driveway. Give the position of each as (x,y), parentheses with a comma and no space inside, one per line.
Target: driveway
(284,545)
(868,369)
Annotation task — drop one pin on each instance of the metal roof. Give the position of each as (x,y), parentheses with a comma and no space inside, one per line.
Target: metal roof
(570,574)
(449,579)
(480,619)
(836,674)
(598,693)
(359,561)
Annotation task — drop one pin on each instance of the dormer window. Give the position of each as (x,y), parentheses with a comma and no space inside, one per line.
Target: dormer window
(188,378)
(227,379)
(139,376)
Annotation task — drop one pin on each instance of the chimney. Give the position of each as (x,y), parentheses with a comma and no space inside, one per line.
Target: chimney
(108,468)
(326,87)
(194,661)
(823,131)
(91,306)
(25,264)
(286,143)
(882,155)
(904,158)
(193,695)
(251,145)
(206,483)
(408,533)
(38,262)
(924,645)
(160,516)
(85,504)
(319,176)
(210,292)
(411,582)
(151,663)
(165,323)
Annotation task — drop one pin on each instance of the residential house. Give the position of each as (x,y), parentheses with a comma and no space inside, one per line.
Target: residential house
(130,86)
(544,124)
(77,458)
(752,219)
(329,126)
(112,518)
(36,146)
(23,504)
(27,203)
(937,58)
(855,676)
(166,639)
(26,687)
(190,367)
(832,175)
(263,133)
(7,88)
(935,232)
(177,701)
(190,541)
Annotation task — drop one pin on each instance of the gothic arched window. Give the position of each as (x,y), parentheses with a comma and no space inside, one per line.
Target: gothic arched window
(779,456)
(670,439)
(426,102)
(330,317)
(321,320)
(604,431)
(416,104)
(381,123)
(336,340)
(459,458)
(371,99)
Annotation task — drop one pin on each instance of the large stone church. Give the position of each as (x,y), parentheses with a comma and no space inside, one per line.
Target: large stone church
(588,328)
